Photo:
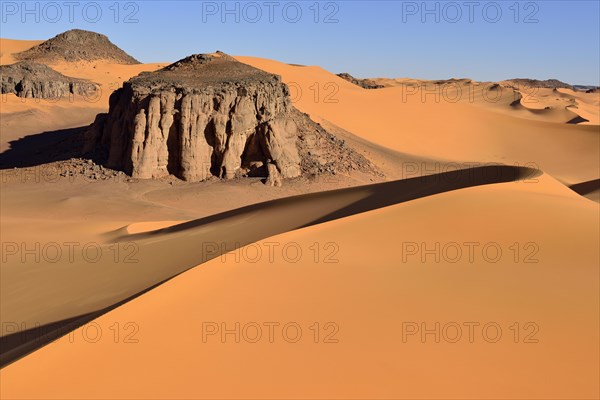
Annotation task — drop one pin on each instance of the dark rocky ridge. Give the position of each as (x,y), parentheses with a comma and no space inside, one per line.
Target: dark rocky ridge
(210,115)
(32,80)
(450,81)
(363,83)
(76,45)
(199,71)
(535,83)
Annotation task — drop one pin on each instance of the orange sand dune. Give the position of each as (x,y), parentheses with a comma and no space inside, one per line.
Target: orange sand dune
(110,76)
(368,296)
(75,277)
(533,99)
(585,105)
(10,46)
(414,123)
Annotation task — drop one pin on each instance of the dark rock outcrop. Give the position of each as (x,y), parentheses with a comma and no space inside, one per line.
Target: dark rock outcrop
(534,83)
(76,45)
(32,80)
(586,88)
(451,81)
(363,83)
(210,115)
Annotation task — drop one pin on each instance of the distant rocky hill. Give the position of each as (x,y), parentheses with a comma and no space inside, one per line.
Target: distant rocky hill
(76,45)
(364,83)
(586,88)
(464,81)
(210,115)
(549,83)
(32,80)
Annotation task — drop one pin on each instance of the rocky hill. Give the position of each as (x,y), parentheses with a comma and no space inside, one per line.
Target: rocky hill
(363,83)
(76,45)
(210,115)
(534,83)
(32,80)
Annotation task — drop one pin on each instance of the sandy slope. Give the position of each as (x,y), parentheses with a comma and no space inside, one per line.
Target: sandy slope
(368,294)
(10,46)
(554,102)
(413,122)
(76,274)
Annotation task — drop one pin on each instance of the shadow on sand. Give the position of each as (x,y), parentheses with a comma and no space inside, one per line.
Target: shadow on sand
(584,188)
(44,148)
(184,243)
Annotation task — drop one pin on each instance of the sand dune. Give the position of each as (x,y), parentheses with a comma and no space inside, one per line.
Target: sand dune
(10,46)
(367,294)
(557,103)
(412,122)
(584,105)
(589,189)
(145,265)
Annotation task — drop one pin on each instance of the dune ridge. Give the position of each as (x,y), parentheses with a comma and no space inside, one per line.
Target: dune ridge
(233,229)
(368,293)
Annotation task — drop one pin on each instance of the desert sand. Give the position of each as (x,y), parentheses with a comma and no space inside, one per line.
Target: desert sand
(359,275)
(397,119)
(11,46)
(367,294)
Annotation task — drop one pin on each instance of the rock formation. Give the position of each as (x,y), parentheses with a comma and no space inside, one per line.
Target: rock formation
(274,177)
(210,115)
(453,81)
(32,80)
(363,83)
(534,83)
(76,45)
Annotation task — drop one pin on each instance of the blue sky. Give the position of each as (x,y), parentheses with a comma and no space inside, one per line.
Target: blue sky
(484,40)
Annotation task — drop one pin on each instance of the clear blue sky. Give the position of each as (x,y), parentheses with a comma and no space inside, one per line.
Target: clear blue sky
(543,39)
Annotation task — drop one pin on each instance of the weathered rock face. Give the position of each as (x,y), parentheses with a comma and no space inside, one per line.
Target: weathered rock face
(76,45)
(206,115)
(31,80)
(274,178)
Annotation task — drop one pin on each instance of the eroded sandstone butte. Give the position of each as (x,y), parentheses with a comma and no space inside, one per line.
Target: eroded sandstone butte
(210,115)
